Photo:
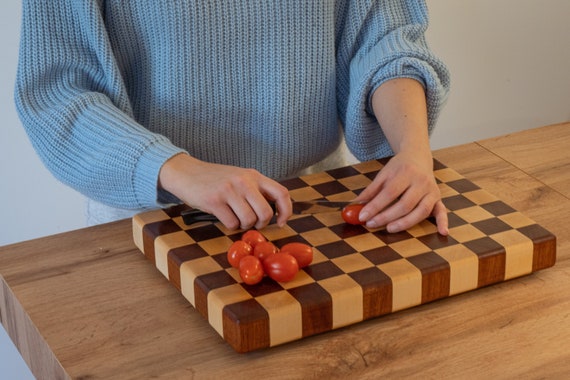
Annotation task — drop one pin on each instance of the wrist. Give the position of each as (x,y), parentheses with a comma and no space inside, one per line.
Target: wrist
(173,170)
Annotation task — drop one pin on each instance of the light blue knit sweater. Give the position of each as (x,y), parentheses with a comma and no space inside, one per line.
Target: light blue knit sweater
(109,90)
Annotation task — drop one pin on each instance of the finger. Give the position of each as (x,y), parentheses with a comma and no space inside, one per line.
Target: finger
(280,195)
(413,206)
(383,203)
(399,207)
(441,219)
(373,188)
(262,210)
(243,210)
(227,217)
(416,215)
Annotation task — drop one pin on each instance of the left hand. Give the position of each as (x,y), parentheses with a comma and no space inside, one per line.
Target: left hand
(403,194)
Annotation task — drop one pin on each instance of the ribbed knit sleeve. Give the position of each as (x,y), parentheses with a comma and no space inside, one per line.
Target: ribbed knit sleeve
(378,41)
(73,103)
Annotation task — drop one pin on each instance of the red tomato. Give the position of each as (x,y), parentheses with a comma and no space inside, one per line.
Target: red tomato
(238,250)
(252,237)
(350,213)
(251,270)
(303,253)
(281,267)
(264,249)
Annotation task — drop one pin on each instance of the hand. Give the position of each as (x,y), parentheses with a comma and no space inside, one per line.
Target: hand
(403,194)
(237,197)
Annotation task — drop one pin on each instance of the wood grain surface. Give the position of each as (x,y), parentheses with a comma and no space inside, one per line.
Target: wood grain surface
(105,313)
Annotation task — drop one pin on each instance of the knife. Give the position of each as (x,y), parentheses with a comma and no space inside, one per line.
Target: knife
(192,216)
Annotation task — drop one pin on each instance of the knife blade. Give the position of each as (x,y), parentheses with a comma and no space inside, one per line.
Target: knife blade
(317,206)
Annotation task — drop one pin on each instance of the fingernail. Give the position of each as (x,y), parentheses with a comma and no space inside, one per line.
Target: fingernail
(363,216)
(371,224)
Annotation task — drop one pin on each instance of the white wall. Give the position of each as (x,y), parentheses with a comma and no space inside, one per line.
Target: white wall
(510,64)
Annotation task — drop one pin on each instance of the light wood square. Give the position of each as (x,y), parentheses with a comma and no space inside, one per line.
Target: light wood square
(368,166)
(464,268)
(480,197)
(519,252)
(474,214)
(422,228)
(305,194)
(406,283)
(352,263)
(329,218)
(217,245)
(355,182)
(447,175)
(465,233)
(274,232)
(347,301)
(516,220)
(446,191)
(364,242)
(410,247)
(320,236)
(317,178)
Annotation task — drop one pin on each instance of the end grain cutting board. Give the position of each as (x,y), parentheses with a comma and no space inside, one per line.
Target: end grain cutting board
(357,273)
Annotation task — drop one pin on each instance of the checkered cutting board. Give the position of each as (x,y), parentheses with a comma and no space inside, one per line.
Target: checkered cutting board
(357,273)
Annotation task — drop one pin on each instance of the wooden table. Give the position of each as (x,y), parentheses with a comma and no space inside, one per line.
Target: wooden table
(87,304)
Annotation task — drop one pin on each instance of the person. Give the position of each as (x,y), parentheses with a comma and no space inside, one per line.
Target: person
(140,104)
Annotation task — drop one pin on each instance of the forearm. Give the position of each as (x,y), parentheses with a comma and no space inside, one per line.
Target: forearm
(405,191)
(400,108)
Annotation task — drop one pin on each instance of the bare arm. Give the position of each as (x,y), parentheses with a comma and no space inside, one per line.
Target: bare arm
(407,180)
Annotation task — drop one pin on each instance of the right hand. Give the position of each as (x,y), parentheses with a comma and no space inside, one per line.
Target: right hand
(237,197)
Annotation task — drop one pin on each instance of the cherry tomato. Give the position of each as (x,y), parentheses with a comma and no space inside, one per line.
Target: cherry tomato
(252,237)
(281,267)
(303,253)
(237,251)
(264,249)
(350,213)
(251,270)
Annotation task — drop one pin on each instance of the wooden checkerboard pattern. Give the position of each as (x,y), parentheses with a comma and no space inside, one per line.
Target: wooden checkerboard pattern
(357,273)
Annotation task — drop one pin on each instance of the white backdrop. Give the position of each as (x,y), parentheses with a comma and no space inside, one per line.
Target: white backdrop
(510,65)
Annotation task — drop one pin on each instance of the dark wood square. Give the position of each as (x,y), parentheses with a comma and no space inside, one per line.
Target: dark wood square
(376,290)
(491,226)
(345,230)
(336,249)
(457,202)
(498,208)
(330,188)
(347,171)
(325,269)
(316,308)
(206,232)
(293,183)
(462,185)
(381,255)
(395,237)
(436,240)
(304,224)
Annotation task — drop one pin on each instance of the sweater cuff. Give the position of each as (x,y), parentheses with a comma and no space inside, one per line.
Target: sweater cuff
(147,171)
